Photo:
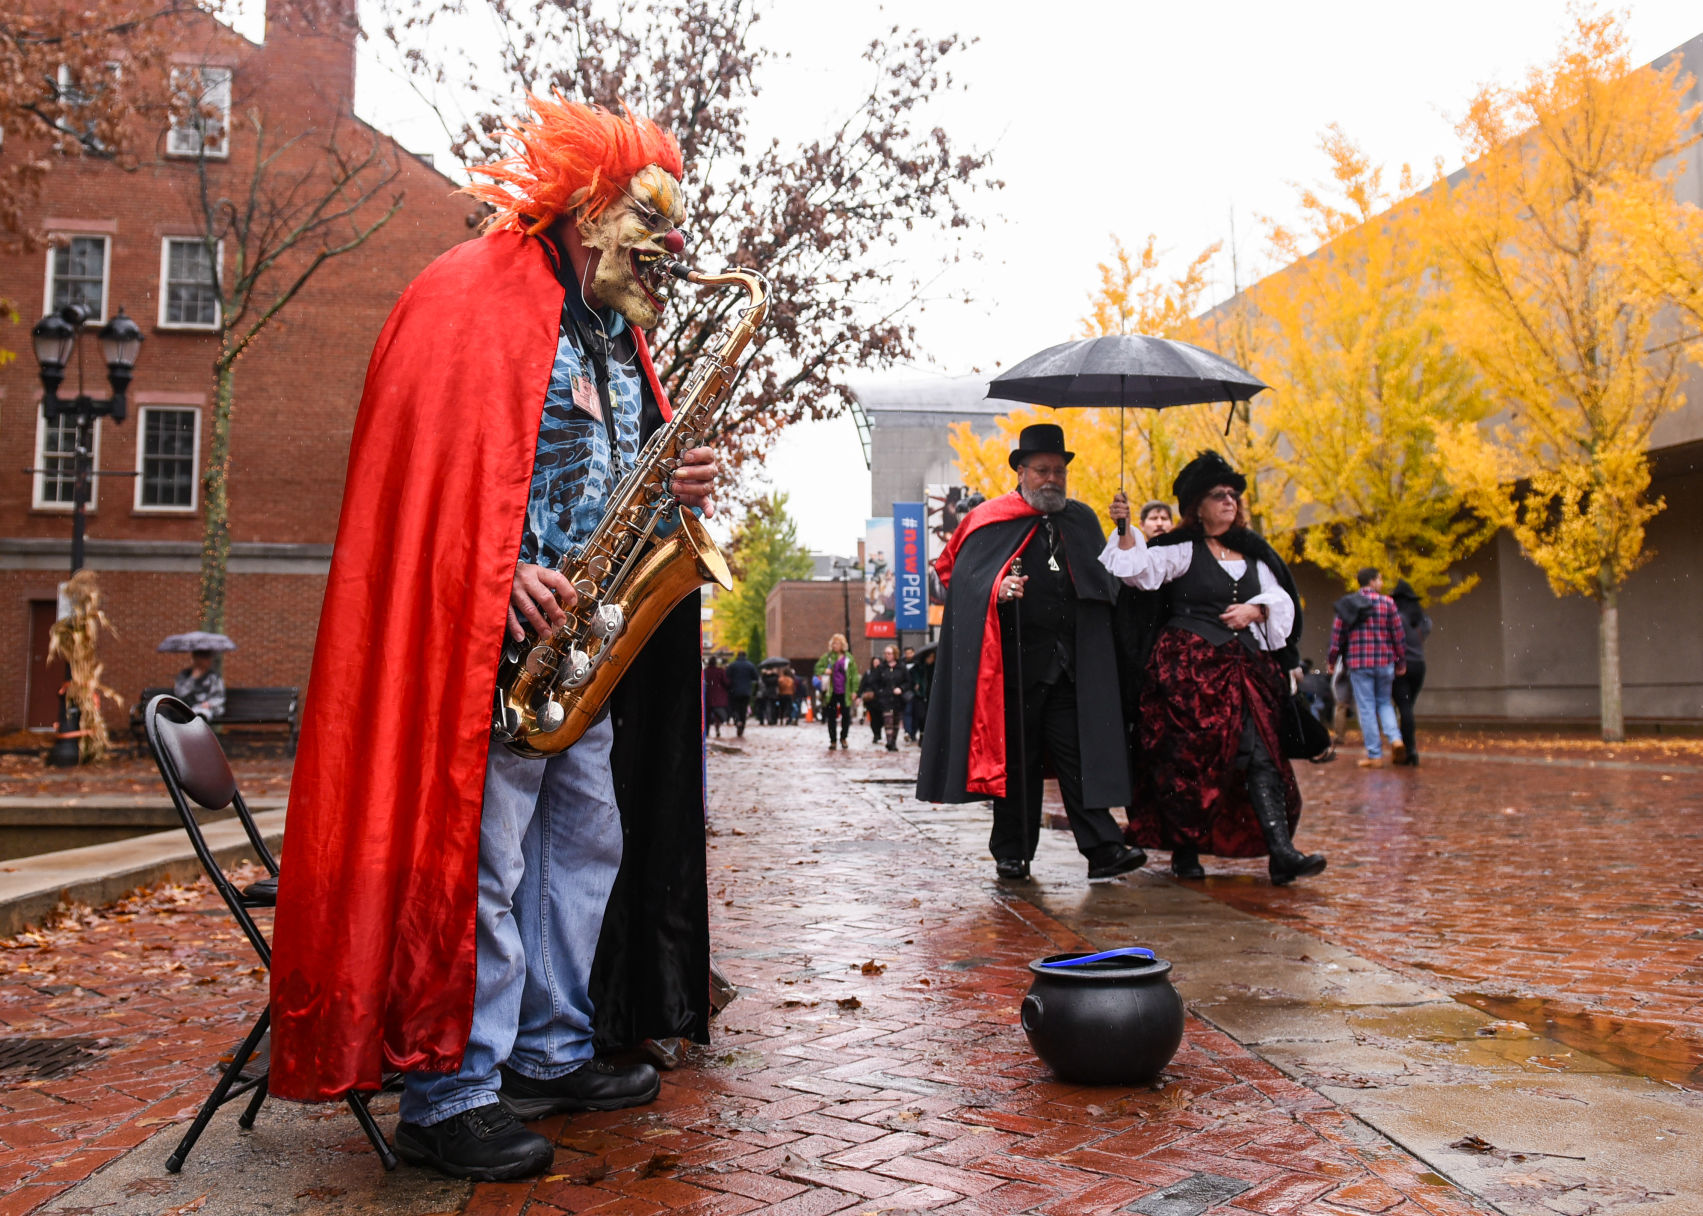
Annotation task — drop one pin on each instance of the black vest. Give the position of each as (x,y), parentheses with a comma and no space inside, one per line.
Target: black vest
(1205,590)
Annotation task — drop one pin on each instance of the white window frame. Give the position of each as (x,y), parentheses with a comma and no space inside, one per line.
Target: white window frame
(165,285)
(137,504)
(186,141)
(38,480)
(56,241)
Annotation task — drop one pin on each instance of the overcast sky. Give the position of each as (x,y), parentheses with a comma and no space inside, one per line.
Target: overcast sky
(1123,117)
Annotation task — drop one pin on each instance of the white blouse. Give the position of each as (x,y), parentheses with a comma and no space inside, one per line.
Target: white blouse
(1150,569)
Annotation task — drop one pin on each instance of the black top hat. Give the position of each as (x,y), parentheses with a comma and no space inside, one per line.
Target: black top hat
(1042,437)
(1200,475)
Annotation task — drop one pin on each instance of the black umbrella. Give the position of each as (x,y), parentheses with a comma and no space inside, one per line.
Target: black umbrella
(1124,370)
(775,660)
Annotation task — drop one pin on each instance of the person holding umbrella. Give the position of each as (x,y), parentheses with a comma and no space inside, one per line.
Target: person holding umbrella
(198,685)
(1026,669)
(1213,777)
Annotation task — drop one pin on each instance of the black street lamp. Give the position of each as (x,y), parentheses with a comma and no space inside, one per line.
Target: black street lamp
(843,567)
(55,338)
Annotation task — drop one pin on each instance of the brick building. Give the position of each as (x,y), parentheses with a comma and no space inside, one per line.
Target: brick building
(127,239)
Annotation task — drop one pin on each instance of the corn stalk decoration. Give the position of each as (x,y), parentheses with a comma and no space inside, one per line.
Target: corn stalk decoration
(73,639)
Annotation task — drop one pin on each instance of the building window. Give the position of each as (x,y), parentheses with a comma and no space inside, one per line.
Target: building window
(189,297)
(77,272)
(166,454)
(202,99)
(55,463)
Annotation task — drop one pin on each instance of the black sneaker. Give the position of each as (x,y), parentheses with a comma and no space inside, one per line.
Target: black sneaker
(1012,869)
(594,1085)
(486,1144)
(1109,861)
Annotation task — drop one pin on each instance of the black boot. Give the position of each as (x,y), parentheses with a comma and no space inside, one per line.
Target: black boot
(1185,863)
(1265,791)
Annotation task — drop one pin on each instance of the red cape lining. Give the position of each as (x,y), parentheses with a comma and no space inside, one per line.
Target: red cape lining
(985,771)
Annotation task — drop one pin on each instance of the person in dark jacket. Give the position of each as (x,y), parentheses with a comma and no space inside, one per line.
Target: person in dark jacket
(1416,627)
(887,682)
(741,679)
(866,695)
(1027,670)
(715,696)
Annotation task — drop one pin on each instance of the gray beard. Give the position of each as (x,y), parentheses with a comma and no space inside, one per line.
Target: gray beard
(1047,502)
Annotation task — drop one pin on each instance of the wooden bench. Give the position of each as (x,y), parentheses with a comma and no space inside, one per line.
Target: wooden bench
(243,707)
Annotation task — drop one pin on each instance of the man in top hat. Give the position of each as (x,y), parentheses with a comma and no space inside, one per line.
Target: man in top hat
(1056,690)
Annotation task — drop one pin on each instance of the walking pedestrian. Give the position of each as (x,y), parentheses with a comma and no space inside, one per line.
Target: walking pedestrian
(1416,627)
(866,697)
(1212,776)
(998,709)
(741,679)
(786,703)
(888,684)
(837,671)
(1367,633)
(908,716)
(715,695)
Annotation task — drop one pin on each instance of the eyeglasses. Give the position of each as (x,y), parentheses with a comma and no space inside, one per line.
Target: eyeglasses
(1224,494)
(652,220)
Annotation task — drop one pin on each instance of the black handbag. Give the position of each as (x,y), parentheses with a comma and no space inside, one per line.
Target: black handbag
(1301,735)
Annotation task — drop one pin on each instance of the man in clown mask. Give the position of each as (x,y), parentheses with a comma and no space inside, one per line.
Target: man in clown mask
(480,921)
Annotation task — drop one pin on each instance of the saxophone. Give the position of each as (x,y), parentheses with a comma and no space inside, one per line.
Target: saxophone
(643,558)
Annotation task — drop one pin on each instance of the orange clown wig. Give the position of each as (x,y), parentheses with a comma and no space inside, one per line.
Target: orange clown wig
(571,158)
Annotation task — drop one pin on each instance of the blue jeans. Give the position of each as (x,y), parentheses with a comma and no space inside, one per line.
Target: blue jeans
(1373,706)
(549,847)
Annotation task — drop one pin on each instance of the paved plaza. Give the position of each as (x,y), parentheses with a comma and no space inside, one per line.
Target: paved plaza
(1489,1003)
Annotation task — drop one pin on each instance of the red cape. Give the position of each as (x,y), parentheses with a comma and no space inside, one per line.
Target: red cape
(372,966)
(986,771)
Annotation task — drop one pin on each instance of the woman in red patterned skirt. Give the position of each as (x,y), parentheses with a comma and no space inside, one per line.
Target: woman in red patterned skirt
(1210,775)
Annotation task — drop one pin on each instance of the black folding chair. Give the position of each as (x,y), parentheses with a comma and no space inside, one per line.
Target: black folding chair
(196,772)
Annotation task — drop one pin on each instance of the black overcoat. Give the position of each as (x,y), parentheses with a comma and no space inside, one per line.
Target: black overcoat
(944,774)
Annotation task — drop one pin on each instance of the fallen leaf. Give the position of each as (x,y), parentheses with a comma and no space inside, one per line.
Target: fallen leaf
(849,1002)
(872,968)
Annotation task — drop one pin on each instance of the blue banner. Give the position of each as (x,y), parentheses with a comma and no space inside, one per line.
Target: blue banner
(910,564)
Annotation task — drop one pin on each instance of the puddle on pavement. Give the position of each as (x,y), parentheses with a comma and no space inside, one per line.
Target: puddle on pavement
(1652,1049)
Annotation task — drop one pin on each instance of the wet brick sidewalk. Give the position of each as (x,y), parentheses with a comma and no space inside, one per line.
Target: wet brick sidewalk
(872,1062)
(1558,893)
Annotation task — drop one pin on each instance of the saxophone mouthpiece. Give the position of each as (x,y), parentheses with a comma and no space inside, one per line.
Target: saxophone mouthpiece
(678,269)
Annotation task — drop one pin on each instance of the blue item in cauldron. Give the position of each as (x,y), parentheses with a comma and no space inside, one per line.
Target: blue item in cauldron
(1107,1018)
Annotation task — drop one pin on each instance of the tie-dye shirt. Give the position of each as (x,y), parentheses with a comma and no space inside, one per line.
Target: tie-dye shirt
(574,472)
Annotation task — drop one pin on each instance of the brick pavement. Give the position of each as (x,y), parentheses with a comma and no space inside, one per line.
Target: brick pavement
(1567,897)
(873,1061)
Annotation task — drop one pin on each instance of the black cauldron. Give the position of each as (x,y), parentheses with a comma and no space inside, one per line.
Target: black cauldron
(1108,1019)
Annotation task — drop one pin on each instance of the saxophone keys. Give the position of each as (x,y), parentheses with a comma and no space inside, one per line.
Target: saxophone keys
(576,668)
(585,587)
(540,660)
(608,622)
(550,715)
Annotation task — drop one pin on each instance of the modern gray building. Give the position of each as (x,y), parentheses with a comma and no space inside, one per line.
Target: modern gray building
(909,433)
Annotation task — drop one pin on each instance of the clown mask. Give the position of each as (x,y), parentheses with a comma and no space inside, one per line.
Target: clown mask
(629,242)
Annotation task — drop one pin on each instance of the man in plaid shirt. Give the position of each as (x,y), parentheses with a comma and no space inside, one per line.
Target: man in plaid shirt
(1368,630)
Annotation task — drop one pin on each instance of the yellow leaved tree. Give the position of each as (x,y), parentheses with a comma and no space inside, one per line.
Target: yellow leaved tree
(1551,294)
(1134,297)
(1363,380)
